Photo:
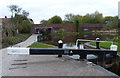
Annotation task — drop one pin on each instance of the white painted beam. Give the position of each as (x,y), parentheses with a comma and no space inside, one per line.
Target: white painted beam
(17,50)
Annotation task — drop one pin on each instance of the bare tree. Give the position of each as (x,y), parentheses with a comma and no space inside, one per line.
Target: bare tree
(25,13)
(14,9)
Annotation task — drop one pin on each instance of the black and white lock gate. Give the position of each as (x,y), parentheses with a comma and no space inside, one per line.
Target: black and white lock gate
(61,51)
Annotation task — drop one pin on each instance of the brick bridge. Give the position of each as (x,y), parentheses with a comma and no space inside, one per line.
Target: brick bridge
(66,27)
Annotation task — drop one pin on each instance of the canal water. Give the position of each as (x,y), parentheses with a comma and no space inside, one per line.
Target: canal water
(70,42)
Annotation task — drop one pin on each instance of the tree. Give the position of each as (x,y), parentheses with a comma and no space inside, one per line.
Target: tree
(14,9)
(98,17)
(77,25)
(69,17)
(111,22)
(25,27)
(119,35)
(93,18)
(19,20)
(25,13)
(67,22)
(55,20)
(44,22)
(85,19)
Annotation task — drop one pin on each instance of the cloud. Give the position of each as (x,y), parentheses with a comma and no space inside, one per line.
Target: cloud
(44,9)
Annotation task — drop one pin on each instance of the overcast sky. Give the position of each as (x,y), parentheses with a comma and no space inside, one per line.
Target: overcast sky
(45,9)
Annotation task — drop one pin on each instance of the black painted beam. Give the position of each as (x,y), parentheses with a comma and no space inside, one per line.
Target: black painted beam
(56,51)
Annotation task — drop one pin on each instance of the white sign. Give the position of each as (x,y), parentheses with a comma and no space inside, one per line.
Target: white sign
(18,50)
(113,47)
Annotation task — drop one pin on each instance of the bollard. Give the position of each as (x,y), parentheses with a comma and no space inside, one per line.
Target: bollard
(78,44)
(38,38)
(97,43)
(114,48)
(60,45)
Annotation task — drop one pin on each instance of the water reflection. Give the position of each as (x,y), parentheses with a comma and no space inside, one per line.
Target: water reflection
(72,38)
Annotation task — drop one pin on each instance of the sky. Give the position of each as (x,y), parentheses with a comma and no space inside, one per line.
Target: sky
(45,9)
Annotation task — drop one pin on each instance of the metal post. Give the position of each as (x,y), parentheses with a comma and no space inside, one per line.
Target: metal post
(38,38)
(60,45)
(97,43)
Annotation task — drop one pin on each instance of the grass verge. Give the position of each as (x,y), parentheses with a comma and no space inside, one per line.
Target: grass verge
(40,45)
(105,45)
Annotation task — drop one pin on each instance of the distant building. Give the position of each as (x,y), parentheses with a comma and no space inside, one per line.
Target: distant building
(6,28)
(0,23)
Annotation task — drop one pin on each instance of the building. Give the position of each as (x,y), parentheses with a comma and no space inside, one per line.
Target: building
(6,28)
(4,22)
(54,28)
(0,24)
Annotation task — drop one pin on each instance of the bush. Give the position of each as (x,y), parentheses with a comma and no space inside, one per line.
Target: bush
(15,40)
(61,31)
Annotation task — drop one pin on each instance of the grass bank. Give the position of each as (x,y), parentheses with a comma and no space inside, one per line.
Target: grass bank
(14,40)
(105,45)
(41,45)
